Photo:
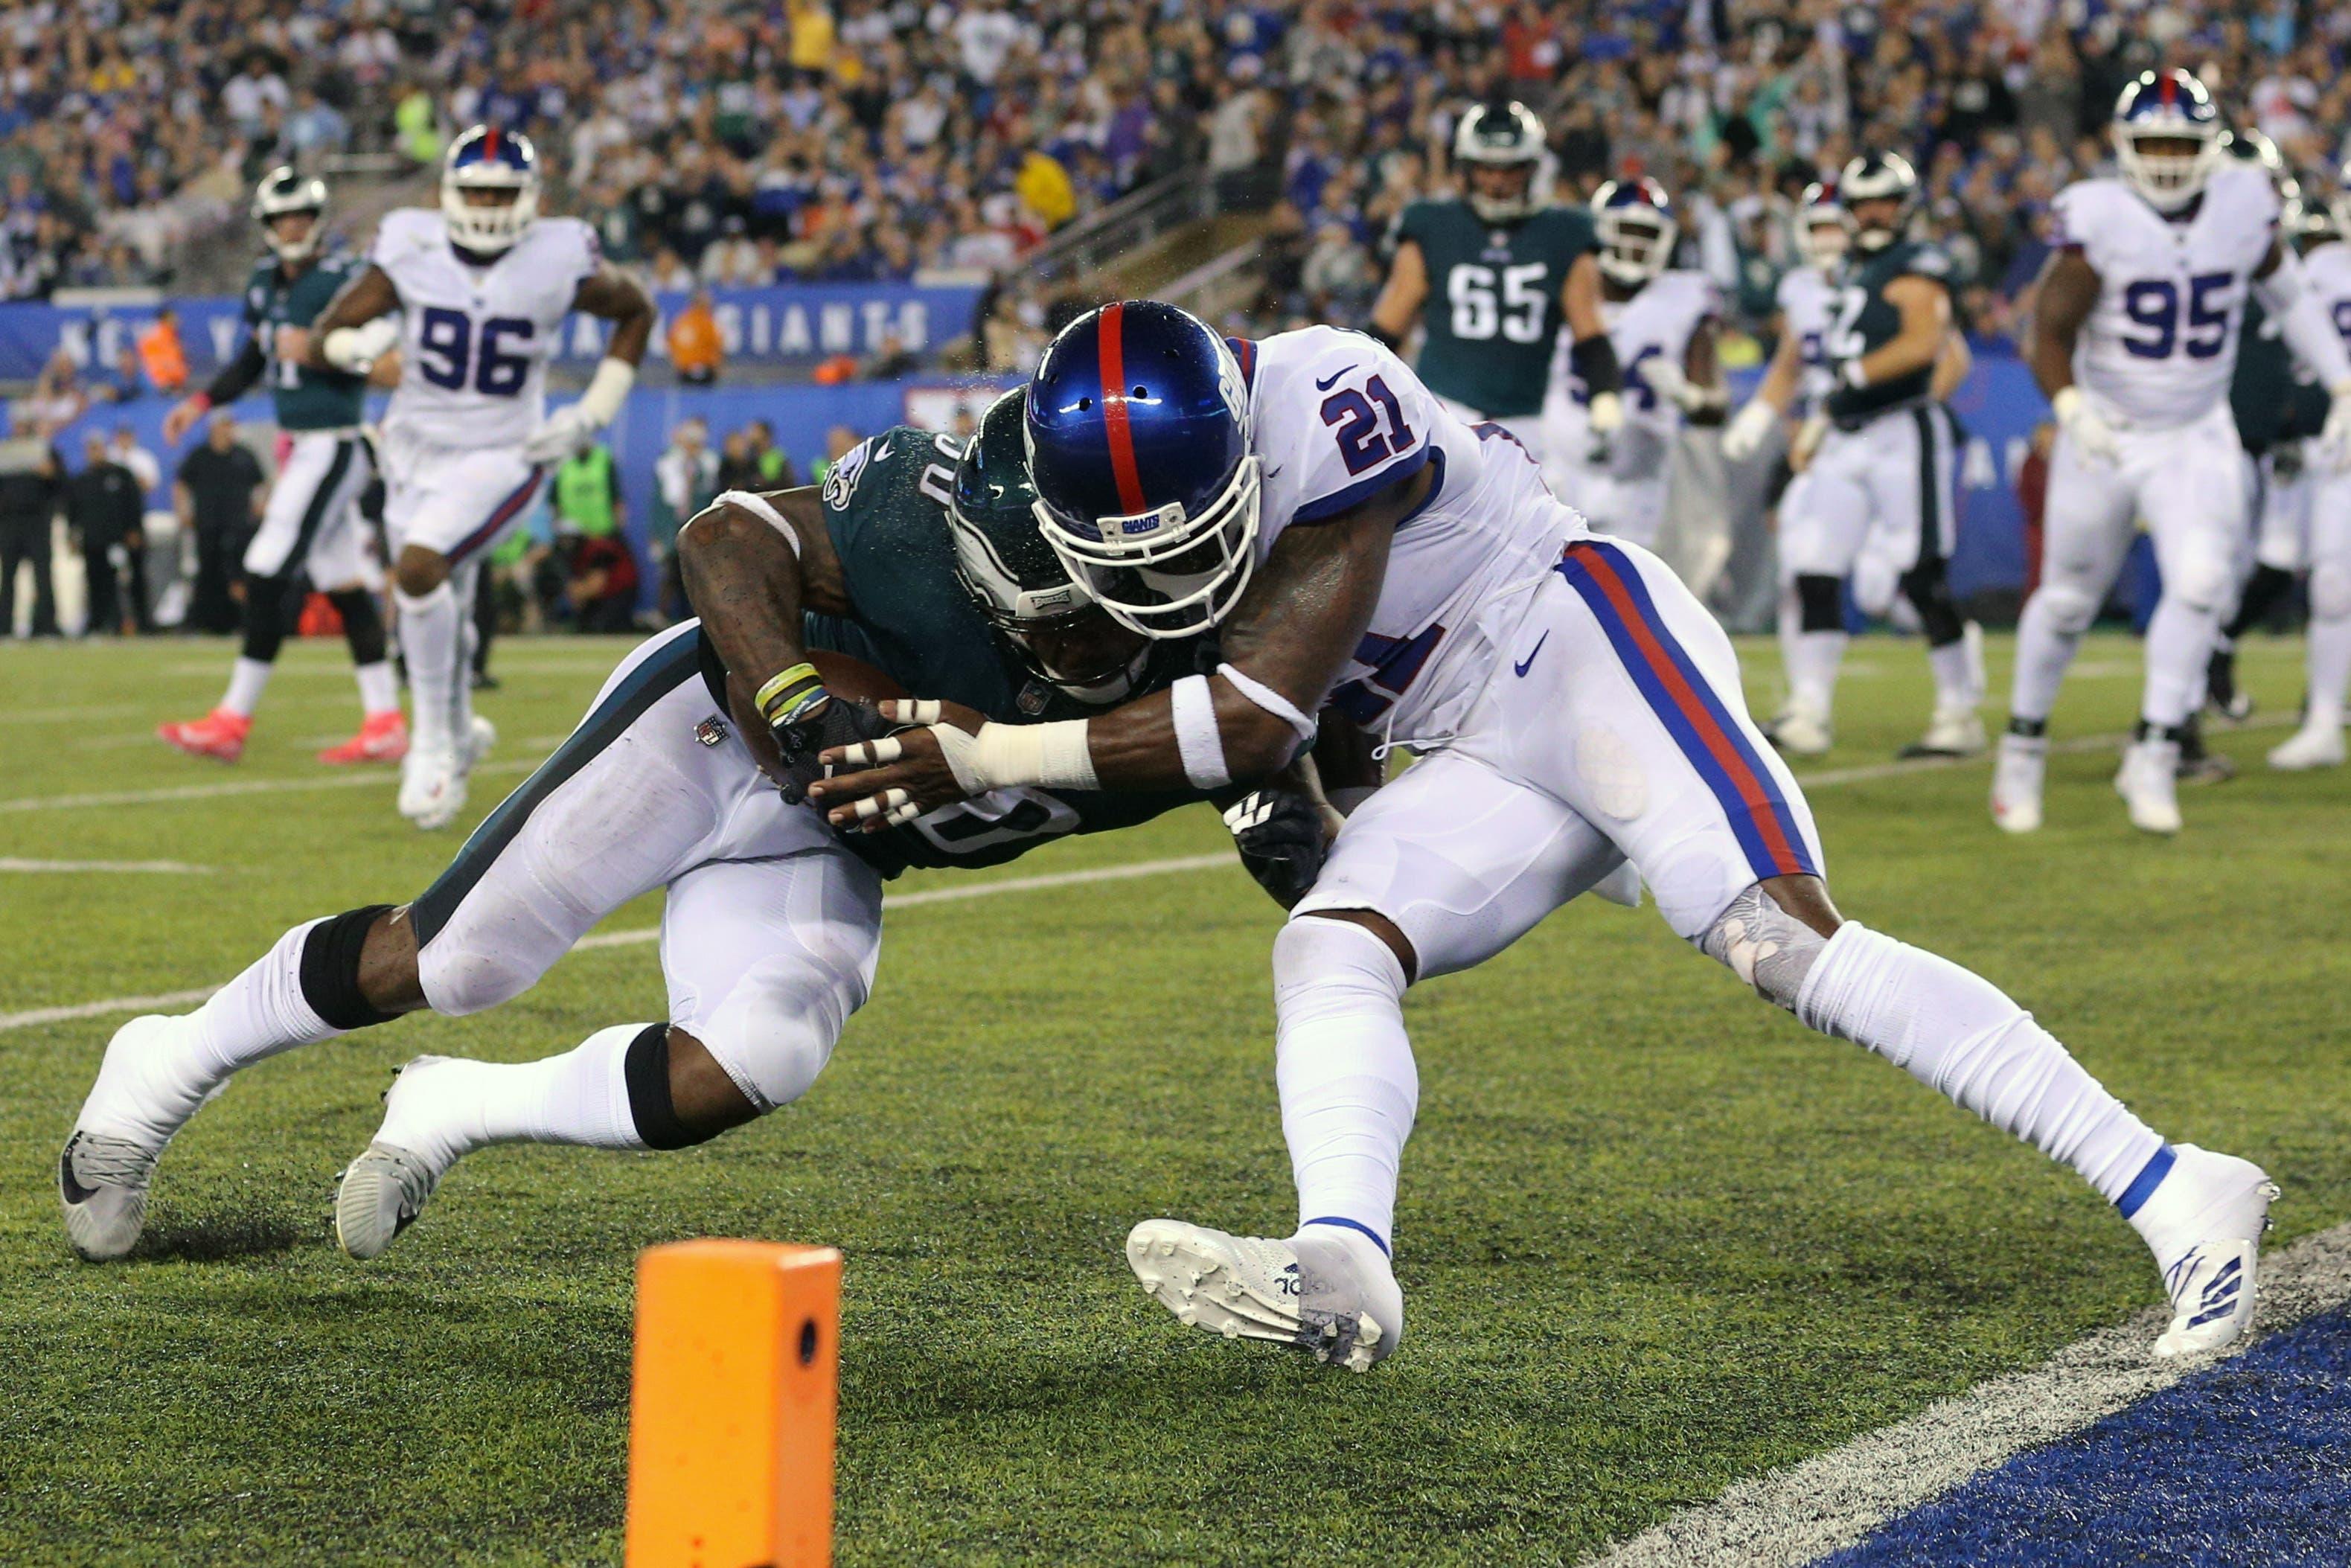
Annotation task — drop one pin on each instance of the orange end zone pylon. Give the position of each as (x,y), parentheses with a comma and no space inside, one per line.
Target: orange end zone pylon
(731,1415)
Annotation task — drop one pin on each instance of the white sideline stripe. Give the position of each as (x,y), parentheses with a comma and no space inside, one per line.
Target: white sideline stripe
(2073,746)
(162,868)
(652,934)
(1795,1515)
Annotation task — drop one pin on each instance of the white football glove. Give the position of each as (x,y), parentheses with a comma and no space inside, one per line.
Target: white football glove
(1605,414)
(566,433)
(1743,437)
(2091,434)
(2335,439)
(357,348)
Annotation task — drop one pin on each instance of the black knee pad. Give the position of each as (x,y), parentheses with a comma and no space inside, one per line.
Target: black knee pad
(1928,590)
(646,1069)
(1820,604)
(330,970)
(362,625)
(268,616)
(2263,592)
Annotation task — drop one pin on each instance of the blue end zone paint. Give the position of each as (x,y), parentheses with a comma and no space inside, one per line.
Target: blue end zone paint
(2248,1462)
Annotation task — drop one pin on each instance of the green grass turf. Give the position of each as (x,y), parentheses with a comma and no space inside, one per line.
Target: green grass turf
(1655,1235)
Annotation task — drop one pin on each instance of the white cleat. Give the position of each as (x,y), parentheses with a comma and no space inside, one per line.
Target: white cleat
(1312,1293)
(1800,732)
(2309,746)
(2219,1206)
(2148,782)
(384,1189)
(2016,781)
(104,1171)
(434,779)
(1951,732)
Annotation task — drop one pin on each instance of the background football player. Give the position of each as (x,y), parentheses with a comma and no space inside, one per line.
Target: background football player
(1663,323)
(1494,277)
(1346,537)
(2135,336)
(311,529)
(482,287)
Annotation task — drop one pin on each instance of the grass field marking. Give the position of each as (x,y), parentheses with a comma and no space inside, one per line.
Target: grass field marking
(158,868)
(1795,1515)
(632,938)
(2071,747)
(370,777)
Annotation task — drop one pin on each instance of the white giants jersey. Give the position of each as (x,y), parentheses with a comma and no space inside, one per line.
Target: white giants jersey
(474,340)
(2326,272)
(1807,301)
(1655,325)
(1335,417)
(2160,346)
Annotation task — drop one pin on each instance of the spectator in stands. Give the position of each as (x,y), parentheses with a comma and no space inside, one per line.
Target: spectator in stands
(891,359)
(602,586)
(57,399)
(737,469)
(838,443)
(32,482)
(771,466)
(587,496)
(160,351)
(105,510)
(217,494)
(124,448)
(125,381)
(686,477)
(694,346)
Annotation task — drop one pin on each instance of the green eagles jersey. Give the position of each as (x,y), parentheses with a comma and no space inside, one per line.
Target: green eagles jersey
(885,509)
(2269,404)
(307,399)
(1865,320)
(1492,313)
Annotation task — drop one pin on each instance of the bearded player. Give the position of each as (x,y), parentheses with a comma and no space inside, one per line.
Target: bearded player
(311,529)
(2134,337)
(482,287)
(917,557)
(1351,541)
(1494,278)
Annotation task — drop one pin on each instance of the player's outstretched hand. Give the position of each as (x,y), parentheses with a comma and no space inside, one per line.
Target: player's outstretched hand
(567,430)
(2091,434)
(872,784)
(184,413)
(842,721)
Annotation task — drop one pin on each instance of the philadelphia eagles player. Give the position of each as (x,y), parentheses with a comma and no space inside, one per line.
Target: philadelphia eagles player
(1492,275)
(919,556)
(310,527)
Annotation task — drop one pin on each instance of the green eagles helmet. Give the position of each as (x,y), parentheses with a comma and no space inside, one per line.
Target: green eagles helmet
(282,191)
(1504,135)
(1010,572)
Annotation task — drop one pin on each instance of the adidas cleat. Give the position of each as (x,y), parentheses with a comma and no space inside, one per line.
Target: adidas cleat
(381,1193)
(2224,1211)
(102,1183)
(1308,1293)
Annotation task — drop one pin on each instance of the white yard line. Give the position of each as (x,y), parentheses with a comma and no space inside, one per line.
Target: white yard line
(652,934)
(1795,1515)
(158,868)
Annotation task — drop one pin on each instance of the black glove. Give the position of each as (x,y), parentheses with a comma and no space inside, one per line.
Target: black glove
(1279,835)
(842,721)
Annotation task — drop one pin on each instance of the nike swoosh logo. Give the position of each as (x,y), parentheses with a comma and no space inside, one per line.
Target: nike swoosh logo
(1528,662)
(75,1192)
(1326,386)
(882,453)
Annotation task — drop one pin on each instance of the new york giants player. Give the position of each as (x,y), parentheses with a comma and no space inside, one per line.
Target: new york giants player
(1813,561)
(1662,322)
(482,287)
(2135,338)
(1354,544)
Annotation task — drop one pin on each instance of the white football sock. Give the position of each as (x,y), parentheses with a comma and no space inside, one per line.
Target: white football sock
(2330,671)
(1345,1069)
(468,580)
(150,1096)
(1958,675)
(1959,1034)
(430,639)
(247,680)
(1813,670)
(443,1108)
(2178,652)
(2044,653)
(1790,627)
(378,693)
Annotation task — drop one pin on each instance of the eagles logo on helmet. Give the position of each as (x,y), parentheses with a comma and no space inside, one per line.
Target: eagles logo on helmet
(1873,181)
(2168,138)
(284,194)
(1491,141)
(488,162)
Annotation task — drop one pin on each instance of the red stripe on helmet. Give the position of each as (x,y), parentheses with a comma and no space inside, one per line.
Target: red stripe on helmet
(2169,82)
(1108,333)
(490,142)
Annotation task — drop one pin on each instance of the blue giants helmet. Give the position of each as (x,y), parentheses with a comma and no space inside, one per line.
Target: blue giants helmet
(1138,431)
(1635,219)
(2167,106)
(488,159)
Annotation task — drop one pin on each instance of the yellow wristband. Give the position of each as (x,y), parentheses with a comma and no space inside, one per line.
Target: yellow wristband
(785,685)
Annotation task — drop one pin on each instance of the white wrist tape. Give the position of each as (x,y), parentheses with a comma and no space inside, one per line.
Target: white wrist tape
(608,390)
(758,507)
(357,348)
(1003,755)
(1198,739)
(1273,701)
